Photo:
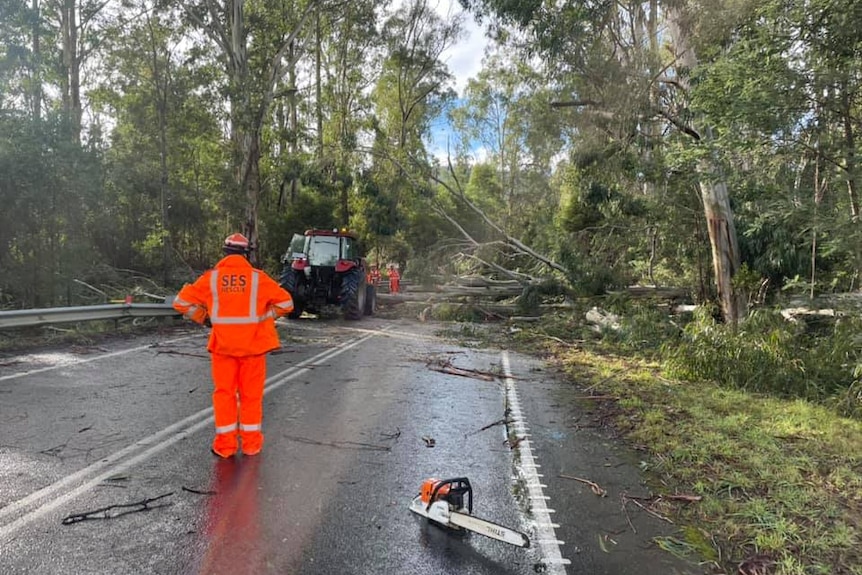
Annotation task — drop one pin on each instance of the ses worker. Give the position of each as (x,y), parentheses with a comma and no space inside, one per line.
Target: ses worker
(241,303)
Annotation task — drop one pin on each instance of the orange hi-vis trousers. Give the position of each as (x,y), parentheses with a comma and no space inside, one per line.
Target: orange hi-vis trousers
(238,402)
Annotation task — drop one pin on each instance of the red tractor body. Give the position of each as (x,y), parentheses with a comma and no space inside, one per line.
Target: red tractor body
(326,267)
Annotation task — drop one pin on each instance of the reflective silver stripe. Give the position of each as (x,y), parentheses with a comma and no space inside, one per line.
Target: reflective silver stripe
(249,427)
(252,302)
(226,429)
(214,291)
(179,301)
(285,304)
(252,316)
(238,320)
(191,311)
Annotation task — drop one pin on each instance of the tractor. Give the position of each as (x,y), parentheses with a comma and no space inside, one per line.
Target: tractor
(326,268)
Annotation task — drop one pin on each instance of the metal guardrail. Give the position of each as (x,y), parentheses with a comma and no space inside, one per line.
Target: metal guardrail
(52,315)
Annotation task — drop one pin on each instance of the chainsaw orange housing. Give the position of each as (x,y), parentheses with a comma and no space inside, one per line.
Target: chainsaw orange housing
(427,490)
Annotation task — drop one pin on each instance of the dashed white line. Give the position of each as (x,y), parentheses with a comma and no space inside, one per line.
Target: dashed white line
(546,539)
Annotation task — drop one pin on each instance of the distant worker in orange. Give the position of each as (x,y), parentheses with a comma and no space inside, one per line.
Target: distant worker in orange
(374,275)
(394,279)
(241,303)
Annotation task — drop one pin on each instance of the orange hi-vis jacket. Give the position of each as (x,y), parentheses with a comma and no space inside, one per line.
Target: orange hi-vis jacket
(242,304)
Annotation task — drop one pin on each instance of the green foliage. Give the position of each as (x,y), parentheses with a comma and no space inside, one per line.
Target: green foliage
(767,354)
(310,210)
(48,193)
(645,329)
(590,277)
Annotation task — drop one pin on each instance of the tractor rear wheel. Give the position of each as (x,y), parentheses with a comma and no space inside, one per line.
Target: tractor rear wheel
(353,293)
(292,281)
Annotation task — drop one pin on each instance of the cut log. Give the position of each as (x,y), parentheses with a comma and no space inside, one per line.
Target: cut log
(792,314)
(603,319)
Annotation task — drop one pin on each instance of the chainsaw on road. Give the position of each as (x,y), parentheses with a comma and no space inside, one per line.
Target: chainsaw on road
(449,502)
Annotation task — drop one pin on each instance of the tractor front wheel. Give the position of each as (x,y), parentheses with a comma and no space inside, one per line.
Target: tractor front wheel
(293,282)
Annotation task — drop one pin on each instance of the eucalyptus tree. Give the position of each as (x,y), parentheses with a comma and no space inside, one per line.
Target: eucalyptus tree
(504,120)
(828,52)
(50,182)
(166,180)
(20,59)
(410,93)
(77,30)
(605,60)
(413,84)
(256,43)
(349,62)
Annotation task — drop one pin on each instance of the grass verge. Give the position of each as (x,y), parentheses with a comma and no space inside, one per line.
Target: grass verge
(780,480)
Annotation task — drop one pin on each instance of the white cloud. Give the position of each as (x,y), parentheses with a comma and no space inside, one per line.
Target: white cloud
(464,59)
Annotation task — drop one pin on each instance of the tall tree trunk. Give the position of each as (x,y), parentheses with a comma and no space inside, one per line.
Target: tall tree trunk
(72,69)
(318,87)
(249,178)
(817,197)
(849,147)
(161,79)
(250,101)
(245,132)
(294,122)
(713,189)
(37,63)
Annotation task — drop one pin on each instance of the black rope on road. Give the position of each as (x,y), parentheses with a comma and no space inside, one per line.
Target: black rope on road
(105,512)
(190,490)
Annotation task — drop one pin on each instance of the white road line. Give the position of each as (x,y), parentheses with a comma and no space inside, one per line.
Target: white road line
(546,538)
(38,503)
(559,561)
(94,358)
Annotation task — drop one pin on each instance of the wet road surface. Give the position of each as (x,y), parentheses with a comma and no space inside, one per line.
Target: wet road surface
(118,437)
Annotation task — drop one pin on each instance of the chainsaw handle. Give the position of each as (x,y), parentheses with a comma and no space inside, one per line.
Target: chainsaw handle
(458,486)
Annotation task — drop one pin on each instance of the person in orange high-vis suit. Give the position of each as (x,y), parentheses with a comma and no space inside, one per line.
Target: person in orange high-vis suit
(241,303)
(373,276)
(394,279)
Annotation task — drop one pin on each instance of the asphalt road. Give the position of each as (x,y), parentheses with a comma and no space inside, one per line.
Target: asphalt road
(105,465)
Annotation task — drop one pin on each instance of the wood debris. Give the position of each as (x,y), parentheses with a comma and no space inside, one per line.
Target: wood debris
(686,498)
(357,445)
(174,352)
(648,508)
(394,435)
(445,366)
(594,487)
(756,565)
(115,511)
(198,491)
(503,421)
